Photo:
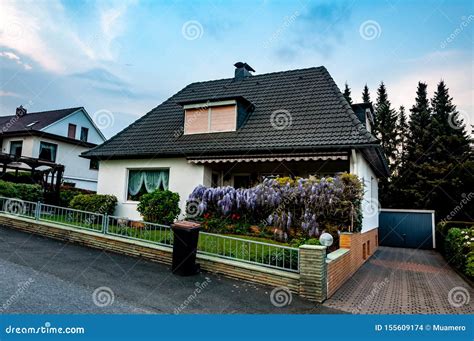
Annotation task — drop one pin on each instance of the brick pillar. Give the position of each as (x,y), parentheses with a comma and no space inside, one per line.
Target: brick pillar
(345,240)
(313,272)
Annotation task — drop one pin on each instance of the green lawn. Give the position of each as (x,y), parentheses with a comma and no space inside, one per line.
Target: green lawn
(86,221)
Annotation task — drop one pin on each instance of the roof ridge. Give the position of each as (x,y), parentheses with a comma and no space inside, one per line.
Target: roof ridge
(260,75)
(46,111)
(361,129)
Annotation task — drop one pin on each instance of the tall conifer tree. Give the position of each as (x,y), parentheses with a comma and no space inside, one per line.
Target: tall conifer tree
(347,93)
(366,94)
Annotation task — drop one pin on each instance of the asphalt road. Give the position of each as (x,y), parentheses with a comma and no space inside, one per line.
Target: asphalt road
(44,276)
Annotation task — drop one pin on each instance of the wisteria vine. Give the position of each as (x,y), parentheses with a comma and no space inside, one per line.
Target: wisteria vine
(306,204)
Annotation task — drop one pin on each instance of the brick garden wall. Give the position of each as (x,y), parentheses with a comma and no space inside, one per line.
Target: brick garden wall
(319,278)
(355,249)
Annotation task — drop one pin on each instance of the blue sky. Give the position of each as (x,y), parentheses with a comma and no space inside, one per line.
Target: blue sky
(119,59)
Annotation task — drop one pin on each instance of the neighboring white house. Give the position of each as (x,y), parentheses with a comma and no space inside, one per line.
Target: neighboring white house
(240,130)
(59,136)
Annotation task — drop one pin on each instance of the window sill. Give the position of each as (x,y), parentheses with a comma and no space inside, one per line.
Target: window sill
(130,202)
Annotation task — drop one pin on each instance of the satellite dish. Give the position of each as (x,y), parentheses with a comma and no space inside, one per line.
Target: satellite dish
(326,239)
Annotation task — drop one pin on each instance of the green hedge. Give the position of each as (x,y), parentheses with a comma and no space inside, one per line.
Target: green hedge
(20,177)
(68,193)
(161,207)
(459,249)
(442,229)
(97,203)
(21,191)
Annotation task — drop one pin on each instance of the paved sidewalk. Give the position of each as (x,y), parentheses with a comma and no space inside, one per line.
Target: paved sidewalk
(40,275)
(404,281)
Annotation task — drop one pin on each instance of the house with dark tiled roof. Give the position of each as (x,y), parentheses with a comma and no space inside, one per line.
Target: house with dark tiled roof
(237,131)
(56,136)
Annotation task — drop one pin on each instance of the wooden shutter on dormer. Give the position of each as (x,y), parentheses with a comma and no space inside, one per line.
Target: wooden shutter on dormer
(223,118)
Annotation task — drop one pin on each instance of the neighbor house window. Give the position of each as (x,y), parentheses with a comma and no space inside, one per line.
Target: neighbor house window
(141,181)
(71,131)
(84,134)
(48,151)
(16,147)
(210,117)
(94,164)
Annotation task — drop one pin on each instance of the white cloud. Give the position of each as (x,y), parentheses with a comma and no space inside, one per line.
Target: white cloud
(44,32)
(8,94)
(15,58)
(9,55)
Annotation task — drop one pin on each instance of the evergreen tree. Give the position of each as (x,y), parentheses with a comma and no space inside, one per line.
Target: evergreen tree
(385,127)
(366,95)
(347,93)
(452,172)
(420,141)
(395,195)
(402,130)
(451,142)
(411,184)
(437,173)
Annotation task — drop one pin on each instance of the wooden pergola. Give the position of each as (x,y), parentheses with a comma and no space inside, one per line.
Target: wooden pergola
(45,173)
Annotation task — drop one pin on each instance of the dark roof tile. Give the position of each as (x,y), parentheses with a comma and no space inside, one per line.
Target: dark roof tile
(320,117)
(13,123)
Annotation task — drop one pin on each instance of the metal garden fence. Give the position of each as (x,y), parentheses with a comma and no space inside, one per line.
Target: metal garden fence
(244,250)
(249,251)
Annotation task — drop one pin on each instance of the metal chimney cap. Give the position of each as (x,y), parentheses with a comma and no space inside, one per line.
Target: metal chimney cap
(244,65)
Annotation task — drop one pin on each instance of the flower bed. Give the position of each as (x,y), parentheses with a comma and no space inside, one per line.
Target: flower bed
(282,208)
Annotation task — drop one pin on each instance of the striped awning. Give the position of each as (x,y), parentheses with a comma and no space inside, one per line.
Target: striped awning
(269,157)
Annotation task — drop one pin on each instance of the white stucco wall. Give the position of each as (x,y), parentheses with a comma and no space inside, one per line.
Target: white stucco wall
(370,204)
(76,168)
(183,178)
(27,149)
(80,119)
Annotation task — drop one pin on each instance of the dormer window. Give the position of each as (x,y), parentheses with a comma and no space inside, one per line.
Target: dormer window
(215,116)
(212,117)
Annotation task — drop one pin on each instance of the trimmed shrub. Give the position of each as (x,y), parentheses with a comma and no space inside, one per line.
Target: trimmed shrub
(97,203)
(161,207)
(459,249)
(453,247)
(7,189)
(443,227)
(21,191)
(19,178)
(68,193)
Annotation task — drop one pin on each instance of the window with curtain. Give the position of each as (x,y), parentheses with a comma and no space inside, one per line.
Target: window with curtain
(48,151)
(141,181)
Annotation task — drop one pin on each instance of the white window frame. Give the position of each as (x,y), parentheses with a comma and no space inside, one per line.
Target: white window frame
(127,178)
